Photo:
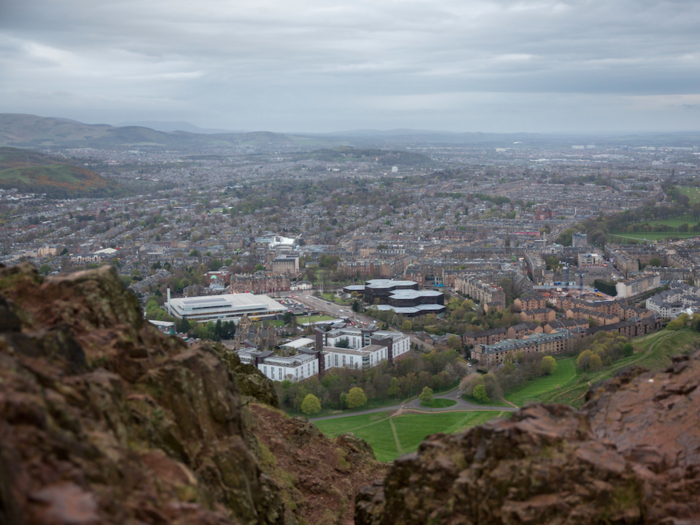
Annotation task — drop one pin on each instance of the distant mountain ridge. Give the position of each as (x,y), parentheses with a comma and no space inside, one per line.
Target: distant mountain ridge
(31,131)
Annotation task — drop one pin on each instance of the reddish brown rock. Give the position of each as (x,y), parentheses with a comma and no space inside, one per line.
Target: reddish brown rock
(631,455)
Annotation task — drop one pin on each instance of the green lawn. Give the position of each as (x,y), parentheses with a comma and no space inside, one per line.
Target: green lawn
(490,403)
(276,324)
(692,193)
(314,318)
(674,222)
(393,437)
(536,389)
(334,298)
(439,403)
(621,237)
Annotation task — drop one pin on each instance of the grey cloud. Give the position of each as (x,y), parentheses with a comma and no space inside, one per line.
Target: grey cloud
(321,65)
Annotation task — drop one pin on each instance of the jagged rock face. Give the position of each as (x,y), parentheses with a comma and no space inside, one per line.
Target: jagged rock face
(104,420)
(631,455)
(319,476)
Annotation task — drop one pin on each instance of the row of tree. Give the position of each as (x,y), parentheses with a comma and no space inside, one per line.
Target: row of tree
(438,370)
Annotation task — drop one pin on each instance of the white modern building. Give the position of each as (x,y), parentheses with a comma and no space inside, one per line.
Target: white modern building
(367,349)
(680,298)
(227,307)
(278,368)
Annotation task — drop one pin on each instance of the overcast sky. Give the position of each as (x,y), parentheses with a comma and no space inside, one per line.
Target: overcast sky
(329,65)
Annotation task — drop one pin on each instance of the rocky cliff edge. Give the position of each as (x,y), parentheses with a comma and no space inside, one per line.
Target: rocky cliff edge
(105,420)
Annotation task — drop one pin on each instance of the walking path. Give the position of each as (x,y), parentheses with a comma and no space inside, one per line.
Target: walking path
(414,405)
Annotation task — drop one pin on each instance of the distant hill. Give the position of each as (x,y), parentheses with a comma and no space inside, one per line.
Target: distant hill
(31,131)
(34,172)
(170,126)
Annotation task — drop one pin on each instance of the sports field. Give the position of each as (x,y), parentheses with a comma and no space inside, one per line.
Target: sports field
(392,437)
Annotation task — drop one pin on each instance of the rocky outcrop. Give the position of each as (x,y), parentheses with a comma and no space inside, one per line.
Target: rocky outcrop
(319,476)
(105,420)
(631,455)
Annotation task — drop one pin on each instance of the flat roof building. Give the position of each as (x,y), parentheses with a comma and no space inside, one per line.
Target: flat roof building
(224,307)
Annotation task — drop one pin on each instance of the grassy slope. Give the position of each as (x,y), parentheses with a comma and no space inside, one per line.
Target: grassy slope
(652,351)
(392,437)
(535,389)
(44,172)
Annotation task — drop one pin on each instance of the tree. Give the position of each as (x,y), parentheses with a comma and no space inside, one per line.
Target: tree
(288,317)
(356,398)
(480,394)
(583,361)
(394,388)
(407,326)
(184,325)
(310,405)
(655,261)
(627,349)
(258,268)
(45,269)
(355,306)
(426,396)
(343,342)
(548,365)
(454,342)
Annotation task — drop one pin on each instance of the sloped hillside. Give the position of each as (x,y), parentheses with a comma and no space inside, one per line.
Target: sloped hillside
(39,173)
(103,420)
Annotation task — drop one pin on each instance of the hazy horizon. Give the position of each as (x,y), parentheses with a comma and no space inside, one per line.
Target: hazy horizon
(493,66)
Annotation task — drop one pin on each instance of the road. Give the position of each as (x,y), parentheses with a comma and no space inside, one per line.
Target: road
(339,311)
(414,404)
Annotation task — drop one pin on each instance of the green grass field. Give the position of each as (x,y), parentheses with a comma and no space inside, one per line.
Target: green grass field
(334,298)
(535,389)
(621,237)
(439,403)
(277,324)
(490,403)
(692,193)
(393,437)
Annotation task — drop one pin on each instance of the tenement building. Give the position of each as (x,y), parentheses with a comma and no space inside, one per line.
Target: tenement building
(554,343)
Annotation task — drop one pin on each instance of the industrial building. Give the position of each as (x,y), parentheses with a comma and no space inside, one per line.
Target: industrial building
(227,307)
